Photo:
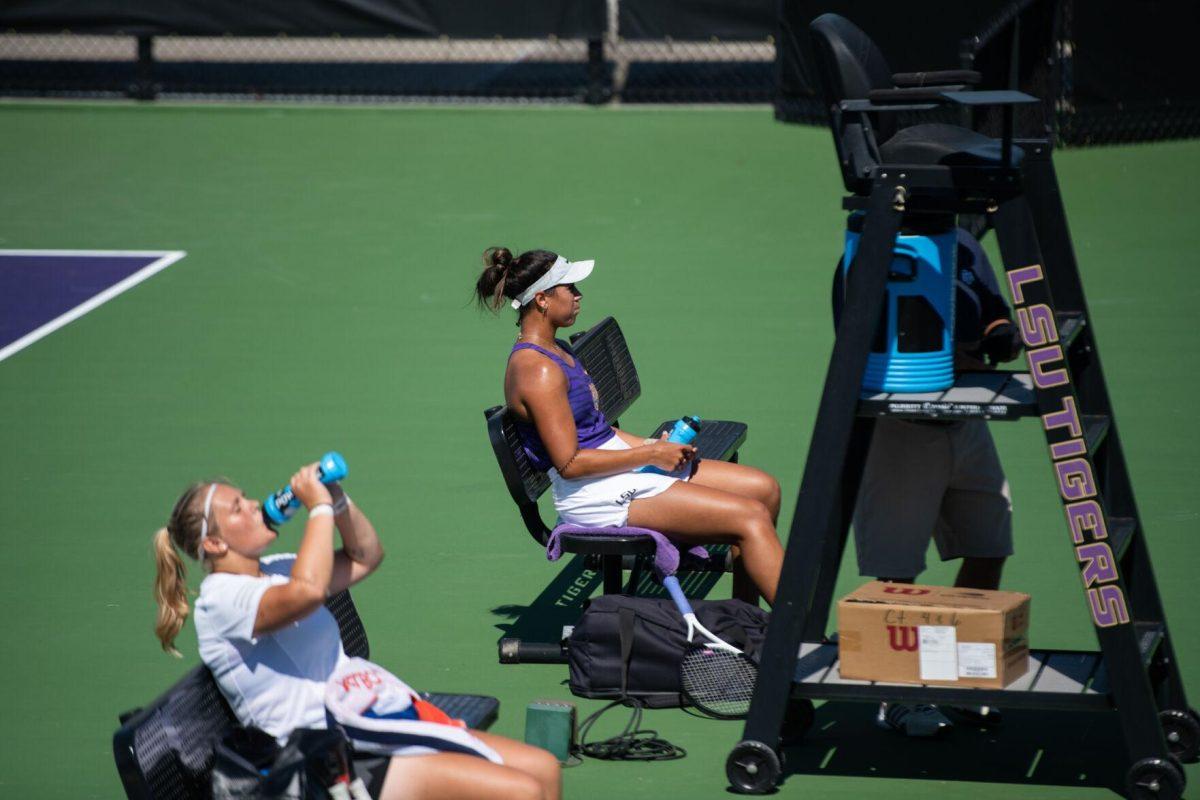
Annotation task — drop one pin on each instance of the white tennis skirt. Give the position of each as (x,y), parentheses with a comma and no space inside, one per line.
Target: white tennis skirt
(604,502)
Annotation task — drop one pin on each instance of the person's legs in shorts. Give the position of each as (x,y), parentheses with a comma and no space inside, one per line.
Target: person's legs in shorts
(748,482)
(698,514)
(976,524)
(528,773)
(899,497)
(976,520)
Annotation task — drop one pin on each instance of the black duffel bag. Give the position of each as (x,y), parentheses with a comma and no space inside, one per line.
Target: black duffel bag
(629,648)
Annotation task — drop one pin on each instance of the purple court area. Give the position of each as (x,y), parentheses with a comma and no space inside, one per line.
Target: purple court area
(40,292)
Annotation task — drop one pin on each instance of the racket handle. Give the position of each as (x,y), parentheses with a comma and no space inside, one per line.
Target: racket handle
(671,583)
(515,651)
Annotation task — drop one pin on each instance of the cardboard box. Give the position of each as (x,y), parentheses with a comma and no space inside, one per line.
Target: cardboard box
(901,633)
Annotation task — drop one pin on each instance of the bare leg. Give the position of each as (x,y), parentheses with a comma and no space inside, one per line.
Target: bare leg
(702,514)
(740,479)
(534,761)
(748,482)
(980,573)
(456,776)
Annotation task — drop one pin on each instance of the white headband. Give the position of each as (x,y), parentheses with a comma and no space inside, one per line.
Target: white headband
(204,521)
(562,272)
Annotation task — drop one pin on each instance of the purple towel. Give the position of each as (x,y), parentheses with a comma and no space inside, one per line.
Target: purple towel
(666,552)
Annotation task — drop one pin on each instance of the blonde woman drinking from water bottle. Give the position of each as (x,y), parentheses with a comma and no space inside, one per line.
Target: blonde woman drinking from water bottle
(271,644)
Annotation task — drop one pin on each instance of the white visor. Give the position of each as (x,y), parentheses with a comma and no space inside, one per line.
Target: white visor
(562,272)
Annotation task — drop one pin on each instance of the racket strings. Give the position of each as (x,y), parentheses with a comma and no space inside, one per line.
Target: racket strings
(718,682)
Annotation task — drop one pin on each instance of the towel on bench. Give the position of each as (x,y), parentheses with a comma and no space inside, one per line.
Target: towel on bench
(381,714)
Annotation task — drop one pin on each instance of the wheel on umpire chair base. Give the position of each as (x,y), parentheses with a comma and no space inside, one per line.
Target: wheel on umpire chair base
(1155,779)
(753,768)
(798,719)
(1182,730)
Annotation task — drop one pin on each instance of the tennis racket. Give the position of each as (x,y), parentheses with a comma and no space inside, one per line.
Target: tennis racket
(716,677)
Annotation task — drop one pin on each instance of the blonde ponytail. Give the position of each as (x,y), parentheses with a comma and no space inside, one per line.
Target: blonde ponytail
(182,535)
(170,591)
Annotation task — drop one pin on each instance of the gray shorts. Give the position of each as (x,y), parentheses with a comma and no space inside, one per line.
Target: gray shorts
(921,481)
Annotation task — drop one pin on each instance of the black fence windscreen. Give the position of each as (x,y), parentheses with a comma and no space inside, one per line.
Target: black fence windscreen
(1130,71)
(468,19)
(366,50)
(1105,70)
(732,42)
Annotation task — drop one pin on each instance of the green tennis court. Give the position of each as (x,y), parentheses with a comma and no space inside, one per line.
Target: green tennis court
(324,302)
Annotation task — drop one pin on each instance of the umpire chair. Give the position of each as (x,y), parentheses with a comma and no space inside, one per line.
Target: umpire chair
(900,177)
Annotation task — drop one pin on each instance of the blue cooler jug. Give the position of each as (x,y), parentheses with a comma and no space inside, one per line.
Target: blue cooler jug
(913,346)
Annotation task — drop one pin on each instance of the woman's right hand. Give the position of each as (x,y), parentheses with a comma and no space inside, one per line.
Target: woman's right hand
(670,456)
(307,486)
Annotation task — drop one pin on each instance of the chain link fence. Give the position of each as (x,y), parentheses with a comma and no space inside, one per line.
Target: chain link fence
(609,68)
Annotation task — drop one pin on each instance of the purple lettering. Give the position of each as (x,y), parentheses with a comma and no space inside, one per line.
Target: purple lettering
(1071,447)
(1086,517)
(1098,563)
(1037,325)
(1018,277)
(1075,480)
(1044,378)
(1069,416)
(1108,605)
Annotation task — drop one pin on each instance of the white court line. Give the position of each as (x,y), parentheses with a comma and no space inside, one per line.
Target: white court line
(165,259)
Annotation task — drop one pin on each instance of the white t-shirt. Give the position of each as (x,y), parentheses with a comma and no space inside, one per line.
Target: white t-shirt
(275,681)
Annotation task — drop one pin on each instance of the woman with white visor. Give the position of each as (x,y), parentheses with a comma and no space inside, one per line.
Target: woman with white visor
(592,464)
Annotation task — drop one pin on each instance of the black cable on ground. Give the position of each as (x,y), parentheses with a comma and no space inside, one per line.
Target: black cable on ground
(630,744)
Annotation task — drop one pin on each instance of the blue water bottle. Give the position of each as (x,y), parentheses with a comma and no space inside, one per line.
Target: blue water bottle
(683,432)
(913,347)
(279,507)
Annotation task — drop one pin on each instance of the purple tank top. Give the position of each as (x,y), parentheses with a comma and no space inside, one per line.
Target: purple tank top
(591,428)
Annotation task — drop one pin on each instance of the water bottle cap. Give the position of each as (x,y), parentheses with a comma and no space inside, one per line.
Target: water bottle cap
(693,422)
(333,467)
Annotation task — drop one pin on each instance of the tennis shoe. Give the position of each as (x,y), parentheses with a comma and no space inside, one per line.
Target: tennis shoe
(921,721)
(979,715)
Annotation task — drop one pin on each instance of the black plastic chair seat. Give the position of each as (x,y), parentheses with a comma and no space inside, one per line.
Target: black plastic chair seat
(945,145)
(718,439)
(477,710)
(603,544)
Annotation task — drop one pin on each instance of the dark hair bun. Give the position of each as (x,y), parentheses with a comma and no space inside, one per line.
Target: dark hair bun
(489,289)
(497,257)
(505,276)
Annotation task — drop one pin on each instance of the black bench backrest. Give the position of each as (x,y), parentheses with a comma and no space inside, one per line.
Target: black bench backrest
(165,750)
(605,355)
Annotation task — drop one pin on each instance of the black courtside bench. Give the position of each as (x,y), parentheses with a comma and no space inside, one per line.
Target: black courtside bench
(605,355)
(164,750)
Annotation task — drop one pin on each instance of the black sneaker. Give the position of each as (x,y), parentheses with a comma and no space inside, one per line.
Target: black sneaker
(979,715)
(921,721)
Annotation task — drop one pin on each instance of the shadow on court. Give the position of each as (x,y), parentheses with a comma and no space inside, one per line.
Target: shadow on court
(564,599)
(559,604)
(1030,748)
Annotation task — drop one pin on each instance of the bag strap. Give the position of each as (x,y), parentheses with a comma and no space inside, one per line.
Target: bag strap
(737,635)
(625,618)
